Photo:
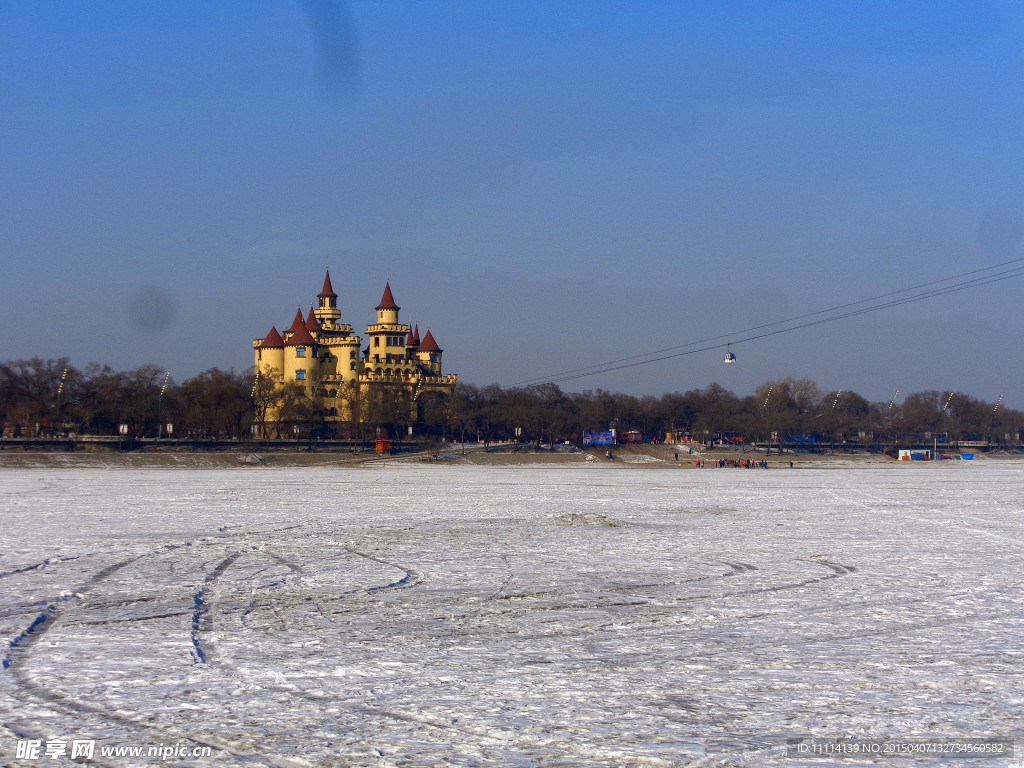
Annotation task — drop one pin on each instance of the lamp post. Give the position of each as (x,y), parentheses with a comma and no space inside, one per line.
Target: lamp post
(160,407)
(888,417)
(60,393)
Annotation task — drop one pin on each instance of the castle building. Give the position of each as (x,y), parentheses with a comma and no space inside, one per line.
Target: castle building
(328,360)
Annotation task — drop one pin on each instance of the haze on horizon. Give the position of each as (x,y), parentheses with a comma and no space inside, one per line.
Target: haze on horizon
(546,185)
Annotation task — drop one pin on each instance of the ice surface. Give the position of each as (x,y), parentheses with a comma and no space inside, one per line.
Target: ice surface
(488,616)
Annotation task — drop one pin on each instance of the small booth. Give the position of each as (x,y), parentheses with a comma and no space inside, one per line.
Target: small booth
(915,454)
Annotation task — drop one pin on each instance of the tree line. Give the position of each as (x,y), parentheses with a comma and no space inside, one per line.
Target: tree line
(54,398)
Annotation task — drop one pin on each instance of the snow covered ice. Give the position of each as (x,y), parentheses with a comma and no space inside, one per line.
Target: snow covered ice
(404,615)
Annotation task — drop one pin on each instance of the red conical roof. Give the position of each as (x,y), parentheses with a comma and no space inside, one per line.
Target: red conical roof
(408,340)
(416,335)
(301,338)
(428,344)
(311,321)
(273,338)
(299,333)
(327,289)
(387,301)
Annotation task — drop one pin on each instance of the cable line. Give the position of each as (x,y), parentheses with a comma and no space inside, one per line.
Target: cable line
(645,358)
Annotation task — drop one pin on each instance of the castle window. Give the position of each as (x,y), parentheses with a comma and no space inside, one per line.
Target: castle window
(352,366)
(300,375)
(376,341)
(352,355)
(300,351)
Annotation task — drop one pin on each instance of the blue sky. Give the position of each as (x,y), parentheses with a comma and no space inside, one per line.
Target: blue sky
(546,185)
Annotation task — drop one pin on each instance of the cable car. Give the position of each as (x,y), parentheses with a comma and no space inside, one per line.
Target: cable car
(730,358)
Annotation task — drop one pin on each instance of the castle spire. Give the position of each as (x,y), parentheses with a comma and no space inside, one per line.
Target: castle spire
(387,310)
(298,333)
(311,324)
(327,312)
(327,289)
(387,300)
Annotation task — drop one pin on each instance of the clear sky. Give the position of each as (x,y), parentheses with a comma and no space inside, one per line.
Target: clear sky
(546,185)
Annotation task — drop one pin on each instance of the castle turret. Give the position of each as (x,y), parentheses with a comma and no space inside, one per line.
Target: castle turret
(429,354)
(328,312)
(269,351)
(387,310)
(387,337)
(311,322)
(300,362)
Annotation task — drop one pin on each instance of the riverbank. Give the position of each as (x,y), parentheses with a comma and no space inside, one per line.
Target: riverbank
(653,456)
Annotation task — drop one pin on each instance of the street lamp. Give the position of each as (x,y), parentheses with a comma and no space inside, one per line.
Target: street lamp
(60,392)
(160,407)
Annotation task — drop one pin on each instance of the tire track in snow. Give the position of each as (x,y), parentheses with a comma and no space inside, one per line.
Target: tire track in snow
(490,734)
(412,577)
(38,566)
(202,618)
(21,648)
(737,569)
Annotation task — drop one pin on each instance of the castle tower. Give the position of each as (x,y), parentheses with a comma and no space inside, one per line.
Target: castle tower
(429,354)
(269,351)
(386,339)
(300,352)
(387,310)
(328,313)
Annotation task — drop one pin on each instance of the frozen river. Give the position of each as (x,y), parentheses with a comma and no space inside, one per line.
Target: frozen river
(477,616)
